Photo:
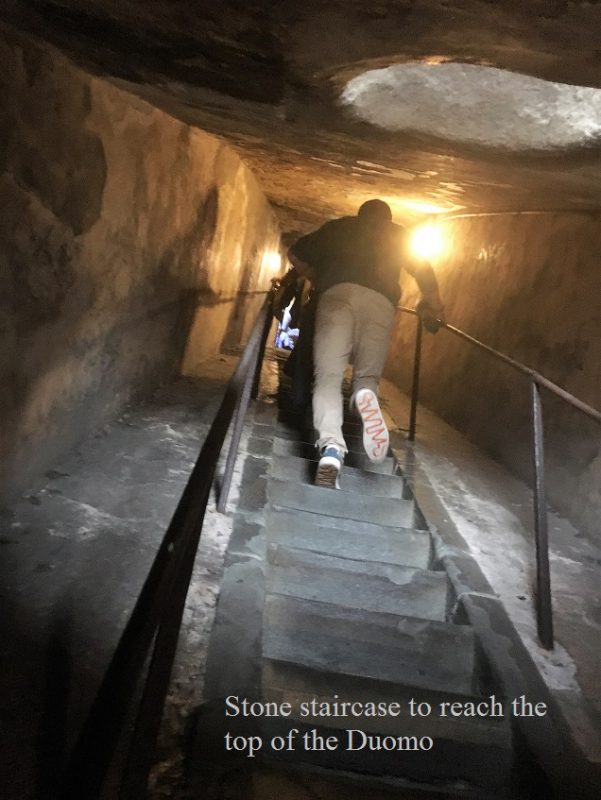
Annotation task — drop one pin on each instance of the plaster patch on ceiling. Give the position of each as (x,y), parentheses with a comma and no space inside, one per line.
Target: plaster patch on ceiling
(478,105)
(402,175)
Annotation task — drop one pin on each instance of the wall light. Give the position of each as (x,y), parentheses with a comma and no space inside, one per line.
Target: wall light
(427,241)
(272,261)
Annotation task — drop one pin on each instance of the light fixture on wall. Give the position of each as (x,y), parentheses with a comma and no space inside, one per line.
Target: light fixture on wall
(272,261)
(427,241)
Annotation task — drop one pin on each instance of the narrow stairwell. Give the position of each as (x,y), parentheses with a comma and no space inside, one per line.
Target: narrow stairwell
(352,609)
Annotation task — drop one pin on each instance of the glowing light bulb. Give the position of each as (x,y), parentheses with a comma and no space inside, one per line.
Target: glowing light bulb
(427,241)
(272,261)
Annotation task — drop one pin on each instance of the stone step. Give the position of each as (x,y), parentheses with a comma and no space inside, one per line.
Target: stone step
(264,413)
(294,683)
(354,442)
(306,433)
(384,647)
(316,652)
(363,542)
(372,586)
(465,752)
(359,460)
(287,417)
(300,774)
(332,503)
(290,447)
(341,523)
(301,470)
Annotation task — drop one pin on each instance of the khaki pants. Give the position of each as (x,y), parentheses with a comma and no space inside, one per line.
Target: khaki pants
(353,323)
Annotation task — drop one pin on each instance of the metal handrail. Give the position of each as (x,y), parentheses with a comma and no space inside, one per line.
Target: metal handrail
(517,212)
(157,614)
(544,610)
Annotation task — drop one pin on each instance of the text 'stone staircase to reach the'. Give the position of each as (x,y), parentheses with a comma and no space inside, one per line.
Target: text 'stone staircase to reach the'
(339,592)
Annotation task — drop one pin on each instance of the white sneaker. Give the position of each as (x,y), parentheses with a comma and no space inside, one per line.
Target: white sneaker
(328,469)
(375,432)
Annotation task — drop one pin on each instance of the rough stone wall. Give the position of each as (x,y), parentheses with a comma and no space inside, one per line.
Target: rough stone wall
(120,230)
(529,286)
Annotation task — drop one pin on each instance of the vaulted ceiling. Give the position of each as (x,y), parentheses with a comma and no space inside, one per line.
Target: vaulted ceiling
(269,77)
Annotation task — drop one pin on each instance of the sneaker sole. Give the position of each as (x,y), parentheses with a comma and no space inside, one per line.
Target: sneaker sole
(327,476)
(375,430)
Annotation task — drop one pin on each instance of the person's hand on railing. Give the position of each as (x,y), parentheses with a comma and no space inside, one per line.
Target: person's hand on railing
(284,293)
(432,318)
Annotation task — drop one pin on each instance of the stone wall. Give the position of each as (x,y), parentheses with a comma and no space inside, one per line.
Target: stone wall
(121,230)
(530,286)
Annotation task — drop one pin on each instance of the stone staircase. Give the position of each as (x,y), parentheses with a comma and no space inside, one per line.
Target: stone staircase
(350,608)
(353,608)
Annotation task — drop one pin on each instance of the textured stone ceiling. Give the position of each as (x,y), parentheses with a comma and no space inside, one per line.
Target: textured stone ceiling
(268,76)
(522,112)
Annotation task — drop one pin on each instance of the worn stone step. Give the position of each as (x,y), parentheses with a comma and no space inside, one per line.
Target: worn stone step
(364,542)
(332,503)
(301,470)
(294,683)
(294,419)
(359,460)
(307,646)
(290,447)
(465,751)
(213,768)
(302,428)
(353,435)
(379,646)
(372,586)
(264,413)
(304,421)
(341,523)
(354,442)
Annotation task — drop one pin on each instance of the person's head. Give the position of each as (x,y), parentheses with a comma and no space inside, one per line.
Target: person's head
(374,214)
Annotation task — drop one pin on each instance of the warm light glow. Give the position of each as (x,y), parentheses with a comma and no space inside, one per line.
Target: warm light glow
(403,208)
(426,208)
(272,261)
(427,241)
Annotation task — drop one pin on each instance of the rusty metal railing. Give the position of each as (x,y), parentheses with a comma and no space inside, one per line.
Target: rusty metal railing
(129,691)
(544,609)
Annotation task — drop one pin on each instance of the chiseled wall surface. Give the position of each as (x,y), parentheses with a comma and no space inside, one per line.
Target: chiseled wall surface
(529,286)
(121,229)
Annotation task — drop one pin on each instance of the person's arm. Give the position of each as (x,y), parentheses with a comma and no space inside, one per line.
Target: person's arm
(430,308)
(426,280)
